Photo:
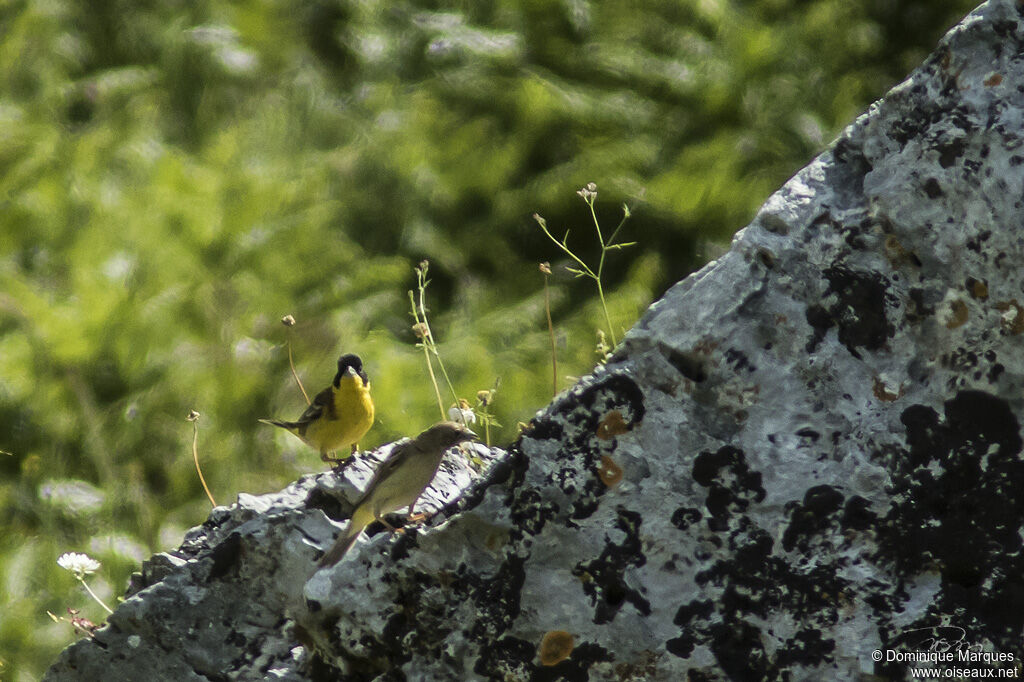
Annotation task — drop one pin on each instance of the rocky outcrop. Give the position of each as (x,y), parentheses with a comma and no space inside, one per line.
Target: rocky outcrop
(804,458)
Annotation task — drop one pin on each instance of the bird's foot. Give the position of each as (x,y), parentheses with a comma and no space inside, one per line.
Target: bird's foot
(338,464)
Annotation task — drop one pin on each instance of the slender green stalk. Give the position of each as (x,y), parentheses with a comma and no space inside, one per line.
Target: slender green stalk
(422,330)
(93,594)
(193,417)
(422,285)
(288,321)
(545,268)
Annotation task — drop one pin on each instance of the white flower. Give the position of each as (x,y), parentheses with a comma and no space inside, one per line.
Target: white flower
(79,564)
(463,415)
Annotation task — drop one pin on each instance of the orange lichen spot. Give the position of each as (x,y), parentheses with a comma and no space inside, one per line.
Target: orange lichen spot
(978,288)
(885,390)
(954,314)
(994,79)
(1012,318)
(897,254)
(612,425)
(609,472)
(556,646)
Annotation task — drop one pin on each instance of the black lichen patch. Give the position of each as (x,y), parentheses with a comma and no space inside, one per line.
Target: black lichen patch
(857,515)
(738,359)
(426,611)
(958,509)
(418,625)
(507,658)
(816,514)
(592,418)
(950,151)
(697,611)
(684,517)
(856,306)
(529,512)
(754,582)
(496,598)
(933,189)
(603,578)
(731,484)
(806,648)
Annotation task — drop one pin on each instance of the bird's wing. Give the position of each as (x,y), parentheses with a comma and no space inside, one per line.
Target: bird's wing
(398,453)
(324,400)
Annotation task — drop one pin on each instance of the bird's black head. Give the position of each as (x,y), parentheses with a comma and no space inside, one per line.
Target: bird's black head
(353,361)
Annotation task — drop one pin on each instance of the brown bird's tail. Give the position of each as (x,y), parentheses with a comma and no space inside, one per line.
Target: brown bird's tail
(361,518)
(337,551)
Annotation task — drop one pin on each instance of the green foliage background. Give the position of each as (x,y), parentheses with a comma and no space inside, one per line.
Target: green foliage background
(175,177)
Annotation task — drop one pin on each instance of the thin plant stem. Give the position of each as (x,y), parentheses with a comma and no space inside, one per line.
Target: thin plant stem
(423,330)
(605,247)
(430,335)
(194,418)
(545,268)
(419,313)
(294,373)
(93,594)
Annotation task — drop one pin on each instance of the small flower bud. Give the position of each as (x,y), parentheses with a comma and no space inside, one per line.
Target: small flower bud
(545,268)
(288,321)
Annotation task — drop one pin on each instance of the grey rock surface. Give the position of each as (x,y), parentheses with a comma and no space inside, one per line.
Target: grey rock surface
(806,452)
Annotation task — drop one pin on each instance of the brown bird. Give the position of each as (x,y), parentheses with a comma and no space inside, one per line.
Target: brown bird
(398,482)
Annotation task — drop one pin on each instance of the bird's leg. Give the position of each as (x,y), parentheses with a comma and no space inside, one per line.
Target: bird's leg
(355,448)
(337,463)
(380,517)
(415,518)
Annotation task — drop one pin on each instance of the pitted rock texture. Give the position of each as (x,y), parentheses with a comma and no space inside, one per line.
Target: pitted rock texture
(805,452)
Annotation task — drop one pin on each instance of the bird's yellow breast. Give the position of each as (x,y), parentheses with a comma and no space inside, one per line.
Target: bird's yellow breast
(346,419)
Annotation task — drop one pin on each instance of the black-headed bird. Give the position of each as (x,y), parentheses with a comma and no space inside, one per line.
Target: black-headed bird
(339,415)
(398,482)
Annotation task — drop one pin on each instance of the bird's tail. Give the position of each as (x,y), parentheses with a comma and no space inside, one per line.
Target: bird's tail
(338,550)
(287,426)
(361,518)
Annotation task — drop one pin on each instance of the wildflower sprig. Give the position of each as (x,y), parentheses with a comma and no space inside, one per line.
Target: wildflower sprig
(82,565)
(589,196)
(484,400)
(422,330)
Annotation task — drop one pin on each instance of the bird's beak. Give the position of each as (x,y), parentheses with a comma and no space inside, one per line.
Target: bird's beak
(469,435)
(351,371)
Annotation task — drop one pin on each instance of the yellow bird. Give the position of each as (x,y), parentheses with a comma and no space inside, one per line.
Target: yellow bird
(339,415)
(398,482)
